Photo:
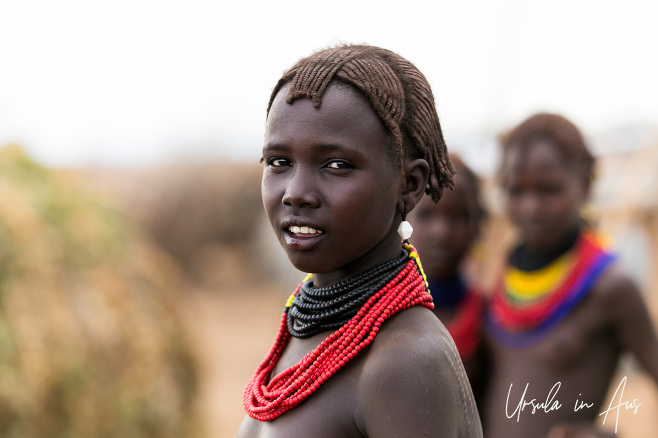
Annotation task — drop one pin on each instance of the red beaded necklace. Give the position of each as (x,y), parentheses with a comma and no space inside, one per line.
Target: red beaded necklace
(266,401)
(466,327)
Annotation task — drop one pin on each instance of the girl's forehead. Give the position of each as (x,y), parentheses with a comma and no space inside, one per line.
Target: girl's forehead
(541,155)
(343,111)
(343,122)
(461,196)
(345,98)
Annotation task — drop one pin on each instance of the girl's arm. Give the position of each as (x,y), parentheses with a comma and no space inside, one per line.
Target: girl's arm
(631,321)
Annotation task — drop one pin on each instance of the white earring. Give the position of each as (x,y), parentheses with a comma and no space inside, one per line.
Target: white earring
(405,229)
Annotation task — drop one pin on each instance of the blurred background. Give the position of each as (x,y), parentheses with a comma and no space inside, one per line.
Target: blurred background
(140,284)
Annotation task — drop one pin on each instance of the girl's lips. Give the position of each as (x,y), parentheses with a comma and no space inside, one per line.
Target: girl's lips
(301,241)
(539,229)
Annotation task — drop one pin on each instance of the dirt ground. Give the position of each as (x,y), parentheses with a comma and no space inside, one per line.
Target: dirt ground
(235,329)
(234,332)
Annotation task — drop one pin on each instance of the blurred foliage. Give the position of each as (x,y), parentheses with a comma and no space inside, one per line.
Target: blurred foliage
(91,339)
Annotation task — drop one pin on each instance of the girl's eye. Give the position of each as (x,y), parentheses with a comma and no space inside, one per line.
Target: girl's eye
(513,191)
(550,189)
(340,164)
(459,217)
(278,162)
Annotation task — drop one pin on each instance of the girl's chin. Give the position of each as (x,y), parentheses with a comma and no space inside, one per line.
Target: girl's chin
(540,245)
(305,264)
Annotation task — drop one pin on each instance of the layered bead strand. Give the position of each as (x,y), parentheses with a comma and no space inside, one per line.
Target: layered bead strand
(266,401)
(318,310)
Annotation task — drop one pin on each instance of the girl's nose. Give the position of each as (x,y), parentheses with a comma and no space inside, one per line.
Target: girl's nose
(530,205)
(440,229)
(301,190)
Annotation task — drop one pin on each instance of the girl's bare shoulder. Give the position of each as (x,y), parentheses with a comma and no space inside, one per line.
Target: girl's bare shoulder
(614,291)
(413,371)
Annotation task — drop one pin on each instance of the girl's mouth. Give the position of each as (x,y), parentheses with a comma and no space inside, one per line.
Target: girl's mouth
(302,238)
(303,230)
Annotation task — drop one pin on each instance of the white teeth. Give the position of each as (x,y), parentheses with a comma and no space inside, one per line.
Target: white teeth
(303,230)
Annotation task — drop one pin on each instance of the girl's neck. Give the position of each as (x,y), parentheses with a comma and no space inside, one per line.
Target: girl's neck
(528,259)
(387,249)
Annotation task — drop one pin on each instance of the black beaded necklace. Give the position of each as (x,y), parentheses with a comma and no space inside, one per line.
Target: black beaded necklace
(314,311)
(525,259)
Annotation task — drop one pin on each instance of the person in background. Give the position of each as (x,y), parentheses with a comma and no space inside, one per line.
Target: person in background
(444,232)
(562,311)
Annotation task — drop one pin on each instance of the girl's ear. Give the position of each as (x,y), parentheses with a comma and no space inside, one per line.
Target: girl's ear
(415,177)
(584,175)
(588,176)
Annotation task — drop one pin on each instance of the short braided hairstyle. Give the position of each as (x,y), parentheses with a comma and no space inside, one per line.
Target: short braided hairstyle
(397,91)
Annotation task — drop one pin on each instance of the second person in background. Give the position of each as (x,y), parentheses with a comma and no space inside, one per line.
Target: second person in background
(444,232)
(562,312)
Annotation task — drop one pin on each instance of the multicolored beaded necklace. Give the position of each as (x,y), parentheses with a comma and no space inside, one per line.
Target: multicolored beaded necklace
(527,304)
(466,326)
(266,399)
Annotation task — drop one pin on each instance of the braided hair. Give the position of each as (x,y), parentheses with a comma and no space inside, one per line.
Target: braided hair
(397,91)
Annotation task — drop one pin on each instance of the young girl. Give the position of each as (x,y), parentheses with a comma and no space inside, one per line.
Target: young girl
(352,140)
(443,234)
(562,312)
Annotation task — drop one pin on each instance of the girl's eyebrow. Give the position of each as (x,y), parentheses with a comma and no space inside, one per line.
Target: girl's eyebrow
(275,147)
(335,147)
(324,147)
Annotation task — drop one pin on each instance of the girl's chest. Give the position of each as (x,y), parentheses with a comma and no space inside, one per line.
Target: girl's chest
(583,334)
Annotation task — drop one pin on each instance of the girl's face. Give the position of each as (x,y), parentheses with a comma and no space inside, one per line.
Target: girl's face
(543,194)
(329,188)
(443,232)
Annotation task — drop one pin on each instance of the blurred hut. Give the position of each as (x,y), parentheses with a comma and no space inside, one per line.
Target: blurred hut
(626,200)
(91,339)
(208,215)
